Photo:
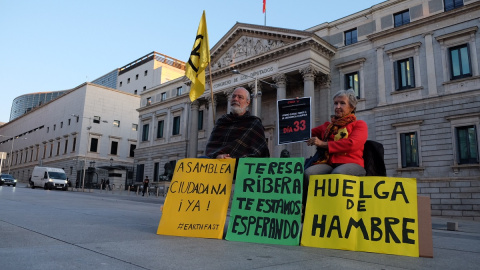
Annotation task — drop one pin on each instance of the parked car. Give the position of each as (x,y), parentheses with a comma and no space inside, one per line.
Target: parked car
(8,180)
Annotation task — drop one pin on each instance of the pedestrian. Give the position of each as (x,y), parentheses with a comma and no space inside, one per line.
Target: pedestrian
(107,184)
(145,185)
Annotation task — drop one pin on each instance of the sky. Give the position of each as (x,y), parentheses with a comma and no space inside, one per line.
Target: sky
(52,45)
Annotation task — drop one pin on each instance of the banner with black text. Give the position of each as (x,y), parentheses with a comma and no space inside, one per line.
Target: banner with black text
(267,201)
(373,214)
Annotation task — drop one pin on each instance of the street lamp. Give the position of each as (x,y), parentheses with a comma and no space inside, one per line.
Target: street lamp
(255,94)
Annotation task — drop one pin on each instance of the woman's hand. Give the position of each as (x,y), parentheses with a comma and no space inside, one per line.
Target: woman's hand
(317,142)
(222,156)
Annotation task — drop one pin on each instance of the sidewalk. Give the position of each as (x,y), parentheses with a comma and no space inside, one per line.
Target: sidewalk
(118,231)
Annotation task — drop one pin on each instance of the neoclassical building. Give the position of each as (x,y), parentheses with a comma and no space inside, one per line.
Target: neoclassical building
(413,64)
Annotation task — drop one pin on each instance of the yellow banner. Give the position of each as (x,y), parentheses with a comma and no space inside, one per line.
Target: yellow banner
(198,60)
(197,201)
(373,214)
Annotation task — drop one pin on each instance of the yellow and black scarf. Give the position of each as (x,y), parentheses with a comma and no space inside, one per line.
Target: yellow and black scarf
(338,130)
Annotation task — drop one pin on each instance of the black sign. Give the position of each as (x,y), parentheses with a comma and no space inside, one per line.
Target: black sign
(293,120)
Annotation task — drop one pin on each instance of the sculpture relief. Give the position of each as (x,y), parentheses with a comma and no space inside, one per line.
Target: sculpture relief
(244,48)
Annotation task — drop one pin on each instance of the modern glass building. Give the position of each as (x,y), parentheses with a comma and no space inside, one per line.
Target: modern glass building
(108,80)
(25,103)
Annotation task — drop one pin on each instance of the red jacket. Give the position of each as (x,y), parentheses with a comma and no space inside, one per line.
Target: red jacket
(348,149)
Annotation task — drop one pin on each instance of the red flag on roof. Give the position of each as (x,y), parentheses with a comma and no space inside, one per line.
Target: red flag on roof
(264,6)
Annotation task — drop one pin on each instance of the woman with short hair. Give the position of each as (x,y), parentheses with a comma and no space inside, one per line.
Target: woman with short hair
(342,140)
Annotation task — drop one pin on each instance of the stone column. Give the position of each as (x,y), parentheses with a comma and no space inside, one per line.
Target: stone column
(473,52)
(212,104)
(166,125)
(256,98)
(431,76)
(229,94)
(309,74)
(325,102)
(193,135)
(381,77)
(281,82)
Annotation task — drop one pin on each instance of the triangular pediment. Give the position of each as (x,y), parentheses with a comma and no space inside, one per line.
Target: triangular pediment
(247,41)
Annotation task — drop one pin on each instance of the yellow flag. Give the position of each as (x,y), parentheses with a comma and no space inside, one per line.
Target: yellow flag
(198,61)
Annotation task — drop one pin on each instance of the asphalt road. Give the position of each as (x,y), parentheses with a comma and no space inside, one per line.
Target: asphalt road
(42,229)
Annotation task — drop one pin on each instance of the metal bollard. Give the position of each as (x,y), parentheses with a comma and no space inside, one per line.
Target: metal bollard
(138,187)
(128,191)
(158,189)
(121,189)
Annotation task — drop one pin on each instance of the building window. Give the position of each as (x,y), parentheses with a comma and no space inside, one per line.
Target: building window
(44,151)
(160,129)
(149,101)
(145,132)
(54,127)
(404,74)
(114,148)
(136,77)
(176,125)
(401,18)
(164,96)
(51,150)
(128,80)
(352,82)
(179,91)
(58,148)
(134,127)
(135,92)
(409,146)
(144,88)
(93,145)
(74,144)
(200,120)
(452,4)
(145,73)
(350,37)
(69,121)
(132,150)
(96,119)
(61,124)
(120,84)
(66,147)
(460,62)
(467,145)
(116,123)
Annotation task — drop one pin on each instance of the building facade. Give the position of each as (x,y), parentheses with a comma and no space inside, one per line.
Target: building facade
(148,71)
(91,126)
(414,65)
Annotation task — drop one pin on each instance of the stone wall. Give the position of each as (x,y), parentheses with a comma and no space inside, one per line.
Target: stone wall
(452,198)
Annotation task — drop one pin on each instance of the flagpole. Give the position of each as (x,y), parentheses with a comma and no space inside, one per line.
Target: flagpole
(211,89)
(265,22)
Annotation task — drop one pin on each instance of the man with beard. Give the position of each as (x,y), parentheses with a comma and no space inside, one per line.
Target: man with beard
(238,134)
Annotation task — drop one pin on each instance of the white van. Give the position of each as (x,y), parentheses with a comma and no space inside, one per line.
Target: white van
(49,178)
